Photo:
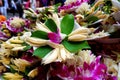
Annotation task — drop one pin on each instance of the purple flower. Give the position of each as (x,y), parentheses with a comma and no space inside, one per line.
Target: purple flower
(55,37)
(3,36)
(72,5)
(93,71)
(15,24)
(29,57)
(27,23)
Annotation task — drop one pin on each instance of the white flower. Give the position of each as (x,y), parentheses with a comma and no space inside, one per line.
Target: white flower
(116,3)
(83,8)
(17,22)
(112,66)
(67,2)
(119,71)
(86,56)
(58,54)
(79,34)
(98,35)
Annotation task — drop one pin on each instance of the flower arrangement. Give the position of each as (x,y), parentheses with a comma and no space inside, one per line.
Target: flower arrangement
(56,46)
(13,26)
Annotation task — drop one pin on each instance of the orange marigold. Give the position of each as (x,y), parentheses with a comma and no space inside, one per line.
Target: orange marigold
(2,18)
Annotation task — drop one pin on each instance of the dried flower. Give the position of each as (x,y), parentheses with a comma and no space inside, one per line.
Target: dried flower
(12,76)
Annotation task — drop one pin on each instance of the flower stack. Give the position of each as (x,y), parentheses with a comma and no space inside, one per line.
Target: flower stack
(58,42)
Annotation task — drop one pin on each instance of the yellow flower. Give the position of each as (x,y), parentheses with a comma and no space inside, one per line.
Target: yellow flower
(33,73)
(12,44)
(21,64)
(11,76)
(5,51)
(5,60)
(2,69)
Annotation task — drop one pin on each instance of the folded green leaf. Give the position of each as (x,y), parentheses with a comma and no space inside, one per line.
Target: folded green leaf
(92,18)
(51,25)
(42,51)
(75,46)
(40,34)
(27,46)
(67,24)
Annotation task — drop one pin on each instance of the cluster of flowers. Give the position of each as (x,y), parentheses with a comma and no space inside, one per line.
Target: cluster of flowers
(47,45)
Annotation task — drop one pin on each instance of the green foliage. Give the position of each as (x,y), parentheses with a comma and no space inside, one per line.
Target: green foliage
(42,51)
(27,46)
(91,18)
(56,7)
(40,34)
(75,46)
(67,24)
(107,6)
(51,25)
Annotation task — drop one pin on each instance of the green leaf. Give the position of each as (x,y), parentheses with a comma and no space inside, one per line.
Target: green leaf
(56,7)
(75,46)
(12,70)
(27,46)
(42,51)
(40,34)
(67,24)
(91,18)
(51,25)
(27,70)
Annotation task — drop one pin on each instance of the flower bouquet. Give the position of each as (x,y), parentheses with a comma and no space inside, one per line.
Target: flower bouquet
(56,46)
(102,15)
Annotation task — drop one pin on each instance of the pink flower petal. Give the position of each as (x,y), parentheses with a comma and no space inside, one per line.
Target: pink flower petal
(72,5)
(54,37)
